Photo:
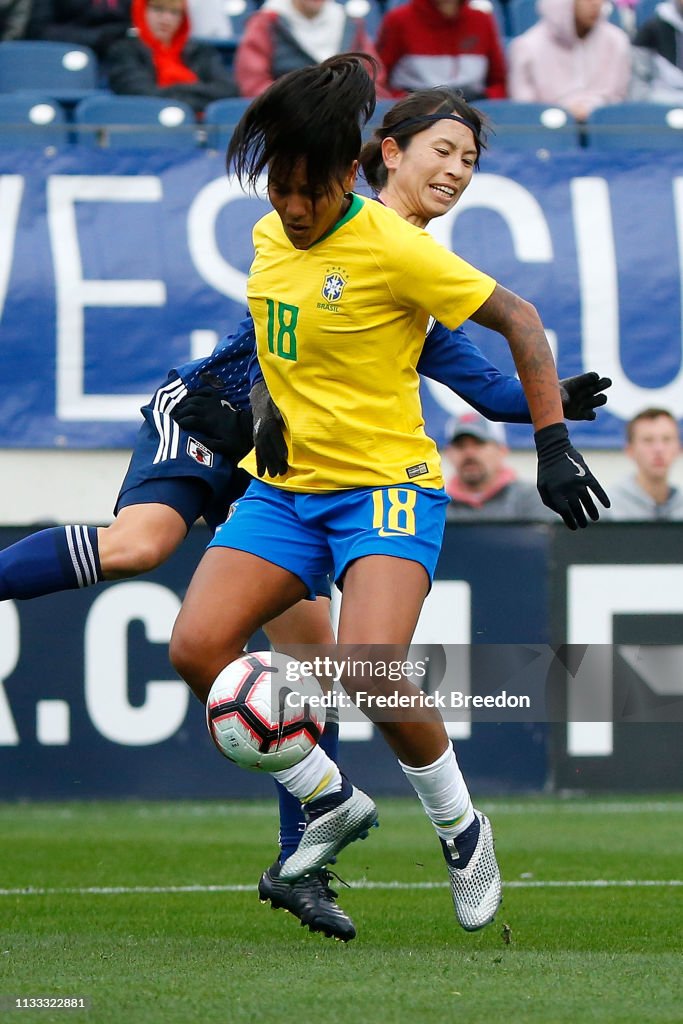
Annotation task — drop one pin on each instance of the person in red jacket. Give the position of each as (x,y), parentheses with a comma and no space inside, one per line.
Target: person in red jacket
(160,59)
(428,43)
(286,35)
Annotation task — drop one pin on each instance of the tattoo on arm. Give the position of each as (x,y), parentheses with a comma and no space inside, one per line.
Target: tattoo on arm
(520,324)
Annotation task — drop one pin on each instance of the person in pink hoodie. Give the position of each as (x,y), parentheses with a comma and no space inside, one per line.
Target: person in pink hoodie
(572,57)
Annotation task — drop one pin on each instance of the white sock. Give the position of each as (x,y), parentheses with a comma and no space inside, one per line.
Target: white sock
(317,775)
(443,793)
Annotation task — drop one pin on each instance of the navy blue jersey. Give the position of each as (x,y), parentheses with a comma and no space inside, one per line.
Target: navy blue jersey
(227,368)
(451,358)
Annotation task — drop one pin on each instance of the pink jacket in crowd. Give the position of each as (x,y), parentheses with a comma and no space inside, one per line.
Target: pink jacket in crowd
(549,63)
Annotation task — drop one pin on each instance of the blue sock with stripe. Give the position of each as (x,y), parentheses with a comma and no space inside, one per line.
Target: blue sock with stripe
(292,822)
(61,558)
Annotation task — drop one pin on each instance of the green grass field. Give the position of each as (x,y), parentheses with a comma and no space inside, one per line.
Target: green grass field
(577,953)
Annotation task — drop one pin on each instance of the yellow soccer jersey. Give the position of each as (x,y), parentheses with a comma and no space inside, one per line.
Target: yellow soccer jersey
(339,331)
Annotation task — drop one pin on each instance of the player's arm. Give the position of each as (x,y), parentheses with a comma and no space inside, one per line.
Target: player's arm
(217,405)
(218,395)
(564,478)
(452,359)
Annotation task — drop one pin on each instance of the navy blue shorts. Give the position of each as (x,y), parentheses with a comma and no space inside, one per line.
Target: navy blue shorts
(171,467)
(313,535)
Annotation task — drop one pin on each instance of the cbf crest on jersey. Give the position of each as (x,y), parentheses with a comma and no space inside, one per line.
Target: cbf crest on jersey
(334,284)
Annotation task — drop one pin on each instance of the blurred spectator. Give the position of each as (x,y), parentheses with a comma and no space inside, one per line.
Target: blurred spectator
(289,34)
(484,486)
(573,57)
(427,43)
(94,23)
(14,17)
(653,442)
(161,59)
(658,55)
(209,19)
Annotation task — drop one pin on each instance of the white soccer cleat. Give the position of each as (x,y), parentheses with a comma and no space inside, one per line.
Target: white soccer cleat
(336,821)
(476,887)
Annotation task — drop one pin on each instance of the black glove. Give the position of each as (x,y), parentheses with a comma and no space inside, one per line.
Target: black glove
(581,395)
(269,438)
(223,428)
(564,478)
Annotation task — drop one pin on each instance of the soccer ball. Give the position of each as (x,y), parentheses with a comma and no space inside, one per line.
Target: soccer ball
(262,712)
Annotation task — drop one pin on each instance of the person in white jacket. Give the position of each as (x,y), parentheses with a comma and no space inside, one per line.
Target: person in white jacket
(572,57)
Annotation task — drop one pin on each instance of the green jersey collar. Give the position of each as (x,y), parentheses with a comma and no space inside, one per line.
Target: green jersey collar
(356,206)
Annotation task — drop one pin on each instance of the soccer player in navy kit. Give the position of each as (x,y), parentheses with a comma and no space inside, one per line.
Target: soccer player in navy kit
(339,291)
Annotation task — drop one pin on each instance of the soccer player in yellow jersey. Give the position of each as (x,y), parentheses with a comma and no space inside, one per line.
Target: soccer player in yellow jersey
(340,291)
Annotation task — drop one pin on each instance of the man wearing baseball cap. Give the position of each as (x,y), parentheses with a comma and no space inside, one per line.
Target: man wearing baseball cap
(484,486)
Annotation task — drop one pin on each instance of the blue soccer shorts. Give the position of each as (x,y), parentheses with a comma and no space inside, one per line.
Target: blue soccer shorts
(171,467)
(315,535)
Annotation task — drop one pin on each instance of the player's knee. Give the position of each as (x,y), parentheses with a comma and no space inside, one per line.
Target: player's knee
(199,653)
(130,555)
(194,656)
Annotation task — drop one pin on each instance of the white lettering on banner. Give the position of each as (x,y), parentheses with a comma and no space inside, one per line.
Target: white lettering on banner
(9,657)
(597,265)
(106,659)
(595,594)
(678,215)
(529,233)
(520,210)
(202,241)
(446,619)
(11,192)
(202,343)
(75,294)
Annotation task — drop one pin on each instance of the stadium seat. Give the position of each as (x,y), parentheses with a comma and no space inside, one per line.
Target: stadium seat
(495,8)
(59,70)
(369,11)
(220,119)
(134,121)
(521,15)
(535,126)
(30,120)
(644,10)
(636,126)
(239,12)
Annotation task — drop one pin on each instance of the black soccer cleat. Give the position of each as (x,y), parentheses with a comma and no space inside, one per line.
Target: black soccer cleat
(311,899)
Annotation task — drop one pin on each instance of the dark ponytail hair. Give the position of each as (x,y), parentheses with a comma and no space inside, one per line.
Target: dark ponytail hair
(314,114)
(409,117)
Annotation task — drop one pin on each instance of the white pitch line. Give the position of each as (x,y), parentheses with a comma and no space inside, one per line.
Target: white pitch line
(152,890)
(245,809)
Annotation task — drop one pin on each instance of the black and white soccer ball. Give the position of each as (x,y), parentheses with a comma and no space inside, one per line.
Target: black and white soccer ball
(263,713)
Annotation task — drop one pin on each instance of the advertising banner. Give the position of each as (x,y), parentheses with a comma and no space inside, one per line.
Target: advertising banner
(117,265)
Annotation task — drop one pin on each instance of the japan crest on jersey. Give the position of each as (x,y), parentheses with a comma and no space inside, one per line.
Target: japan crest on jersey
(333,286)
(199,452)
